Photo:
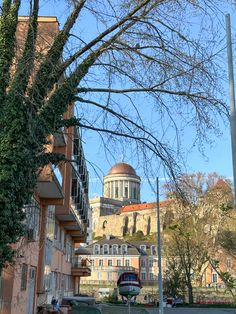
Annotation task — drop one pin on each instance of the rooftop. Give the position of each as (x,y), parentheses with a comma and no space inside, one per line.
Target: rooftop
(143,206)
(122,168)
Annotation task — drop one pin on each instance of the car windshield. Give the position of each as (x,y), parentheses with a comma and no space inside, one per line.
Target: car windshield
(130,277)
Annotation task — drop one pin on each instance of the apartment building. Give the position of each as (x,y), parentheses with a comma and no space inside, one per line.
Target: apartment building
(56,219)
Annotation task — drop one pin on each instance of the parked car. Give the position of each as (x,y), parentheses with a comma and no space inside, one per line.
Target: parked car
(173,301)
(78,299)
(178,301)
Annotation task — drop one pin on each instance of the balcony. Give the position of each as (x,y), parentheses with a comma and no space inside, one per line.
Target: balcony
(81,267)
(73,225)
(49,187)
(59,138)
(118,269)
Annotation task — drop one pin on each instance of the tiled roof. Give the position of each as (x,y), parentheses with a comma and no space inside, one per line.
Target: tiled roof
(143,206)
(148,245)
(131,249)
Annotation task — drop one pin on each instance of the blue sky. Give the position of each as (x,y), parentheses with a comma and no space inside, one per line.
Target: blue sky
(217,155)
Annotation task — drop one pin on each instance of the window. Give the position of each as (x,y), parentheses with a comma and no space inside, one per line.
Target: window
(97,249)
(116,189)
(71,283)
(109,262)
(143,276)
(92,262)
(58,281)
(62,239)
(123,249)
(66,282)
(58,236)
(100,262)
(47,278)
(135,193)
(62,282)
(118,262)
(150,262)
(106,249)
(48,252)
(143,248)
(32,212)
(74,188)
(109,276)
(54,281)
(56,232)
(24,273)
(153,250)
(143,263)
(115,249)
(50,222)
(229,262)
(126,188)
(58,285)
(151,276)
(214,278)
(99,275)
(69,251)
(127,263)
(121,188)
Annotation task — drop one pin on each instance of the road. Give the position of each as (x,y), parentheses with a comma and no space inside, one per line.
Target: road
(193,311)
(111,309)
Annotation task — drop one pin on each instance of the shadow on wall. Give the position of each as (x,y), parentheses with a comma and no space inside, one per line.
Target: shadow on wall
(126,226)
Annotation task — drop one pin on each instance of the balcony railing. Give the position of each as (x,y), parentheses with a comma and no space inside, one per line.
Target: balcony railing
(99,282)
(78,262)
(81,267)
(118,269)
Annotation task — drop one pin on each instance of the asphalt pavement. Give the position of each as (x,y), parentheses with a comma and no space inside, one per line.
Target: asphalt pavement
(182,310)
(112,309)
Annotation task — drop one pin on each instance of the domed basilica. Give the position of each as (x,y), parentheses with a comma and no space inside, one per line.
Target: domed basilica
(119,211)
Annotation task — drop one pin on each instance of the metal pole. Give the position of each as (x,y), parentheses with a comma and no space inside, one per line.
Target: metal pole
(232,99)
(159,252)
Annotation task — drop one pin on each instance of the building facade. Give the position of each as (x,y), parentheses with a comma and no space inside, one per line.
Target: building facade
(111,256)
(56,219)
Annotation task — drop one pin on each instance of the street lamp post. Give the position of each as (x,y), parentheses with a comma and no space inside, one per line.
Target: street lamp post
(159,251)
(232,99)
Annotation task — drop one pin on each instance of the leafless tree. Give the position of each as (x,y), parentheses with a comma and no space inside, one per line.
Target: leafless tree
(117,60)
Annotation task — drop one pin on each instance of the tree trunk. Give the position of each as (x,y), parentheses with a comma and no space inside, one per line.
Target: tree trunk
(190,292)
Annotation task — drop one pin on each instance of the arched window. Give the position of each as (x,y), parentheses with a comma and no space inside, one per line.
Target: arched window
(96,249)
(153,250)
(115,249)
(124,250)
(106,249)
(143,247)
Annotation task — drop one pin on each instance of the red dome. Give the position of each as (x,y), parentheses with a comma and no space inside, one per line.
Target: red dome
(122,168)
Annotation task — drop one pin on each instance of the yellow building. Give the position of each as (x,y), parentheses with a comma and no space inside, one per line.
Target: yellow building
(111,256)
